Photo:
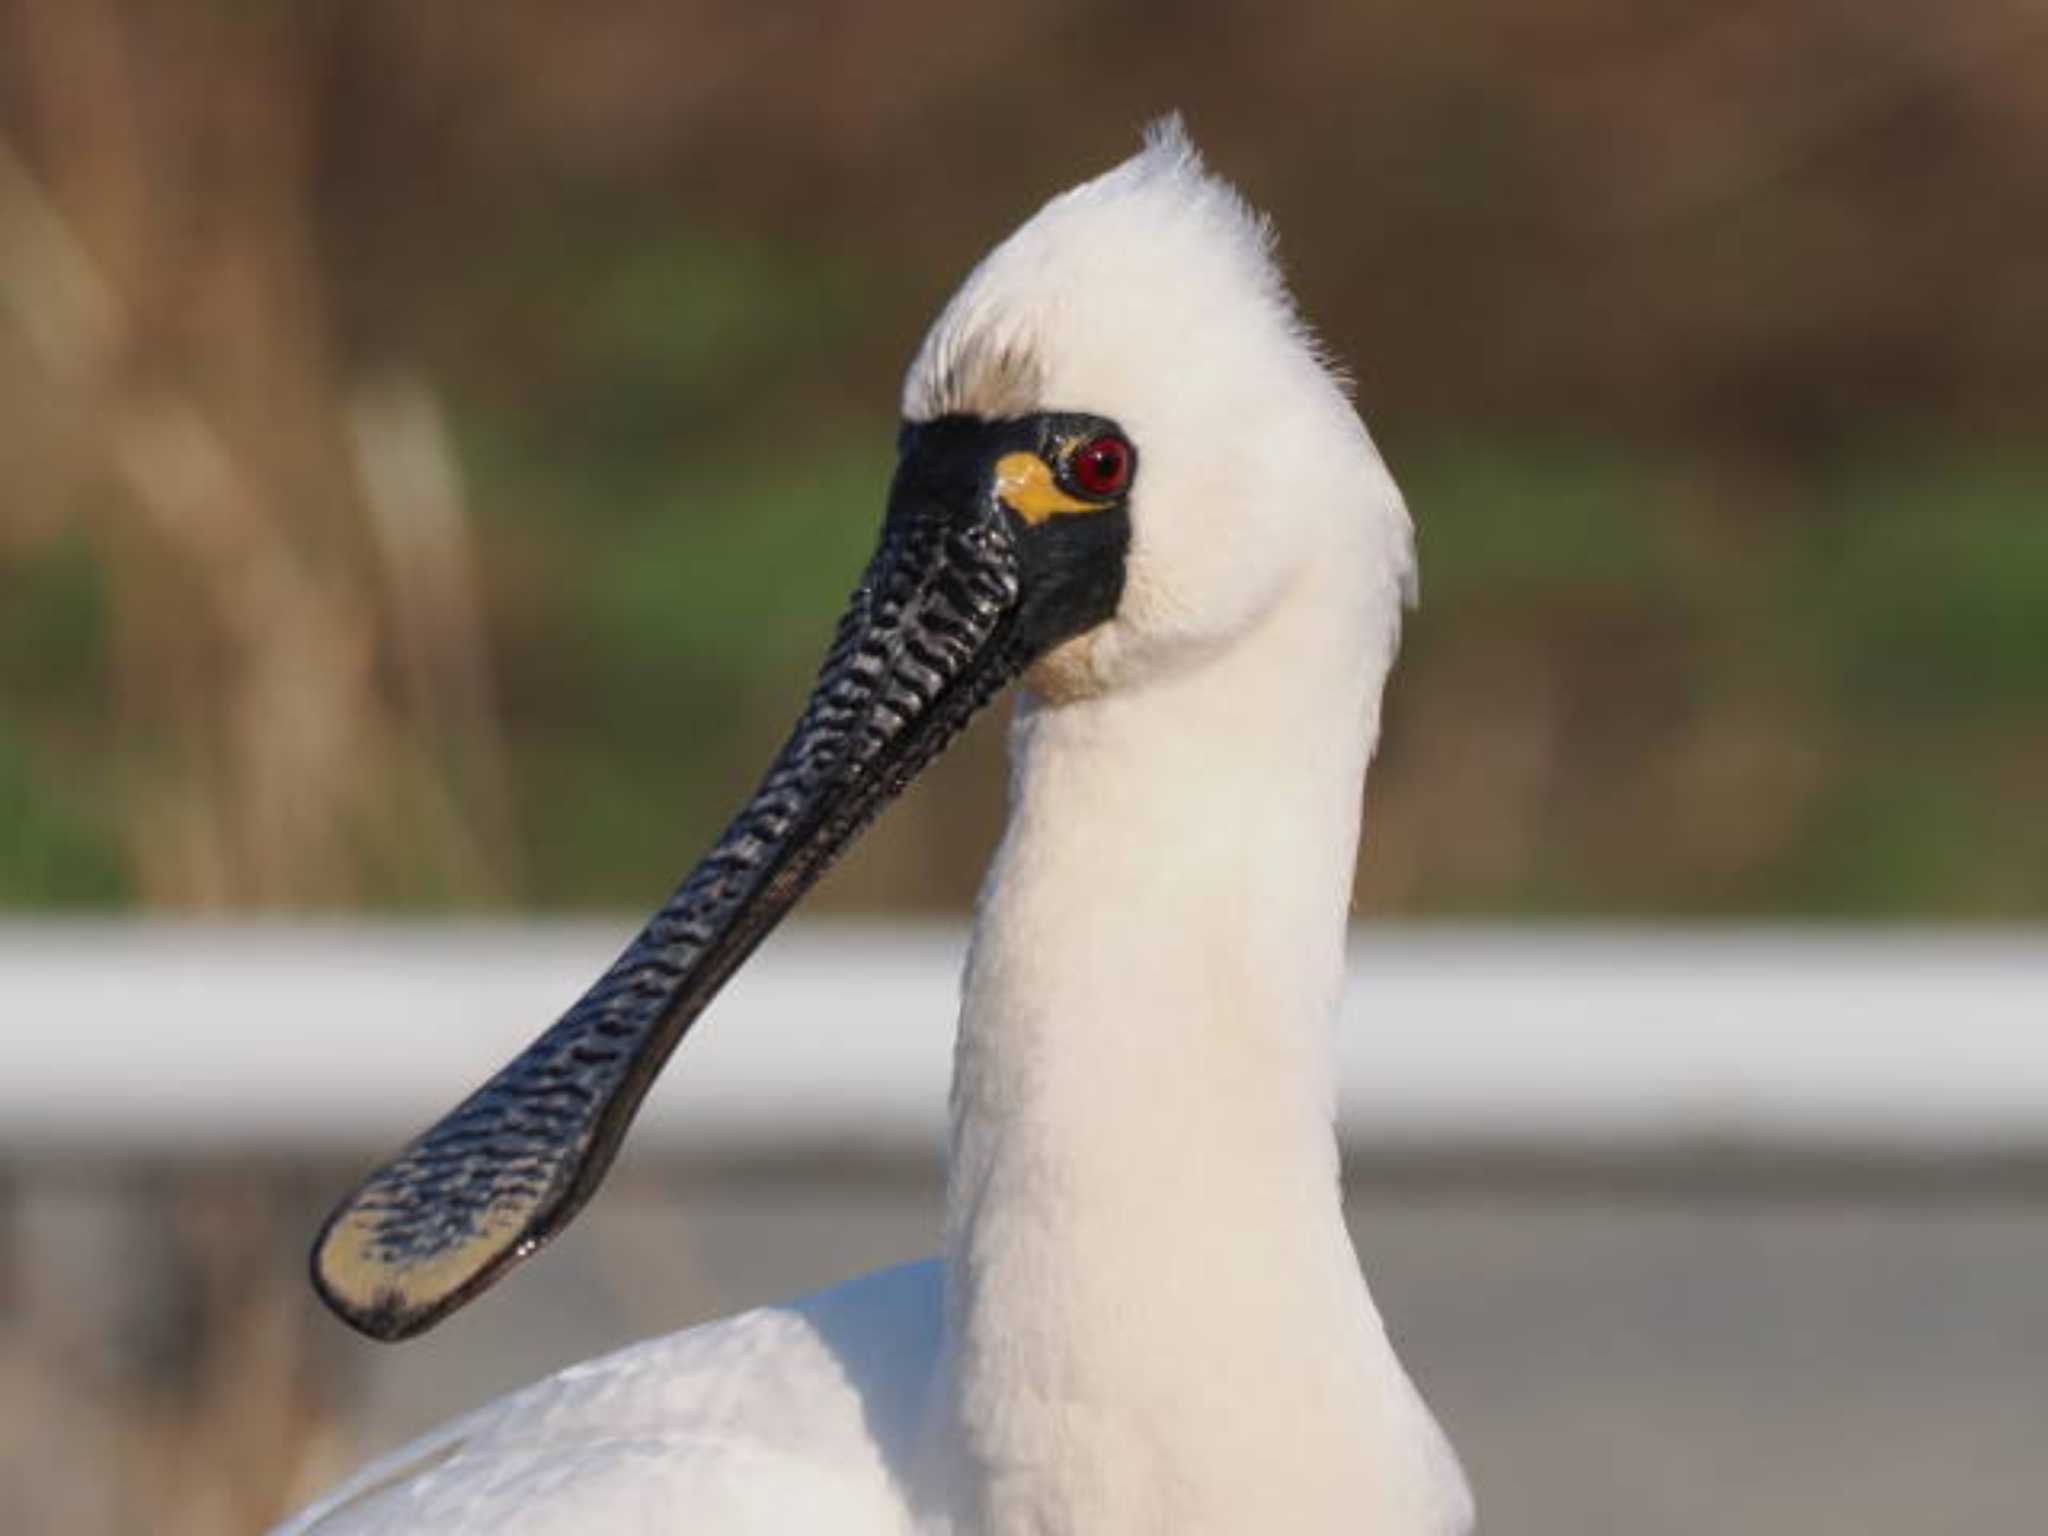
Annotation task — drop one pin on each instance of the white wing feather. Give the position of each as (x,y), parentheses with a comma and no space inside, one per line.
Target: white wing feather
(789,1418)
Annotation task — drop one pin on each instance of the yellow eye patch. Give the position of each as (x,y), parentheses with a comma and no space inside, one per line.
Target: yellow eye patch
(1025,483)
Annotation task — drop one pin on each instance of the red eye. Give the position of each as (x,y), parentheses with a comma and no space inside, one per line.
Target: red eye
(1101,466)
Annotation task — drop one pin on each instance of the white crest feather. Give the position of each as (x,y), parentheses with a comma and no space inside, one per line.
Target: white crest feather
(1154,238)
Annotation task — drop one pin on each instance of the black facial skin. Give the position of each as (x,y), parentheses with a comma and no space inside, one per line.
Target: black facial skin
(1071,566)
(961,596)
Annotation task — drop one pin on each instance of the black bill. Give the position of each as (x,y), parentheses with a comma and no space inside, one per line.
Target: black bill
(981,568)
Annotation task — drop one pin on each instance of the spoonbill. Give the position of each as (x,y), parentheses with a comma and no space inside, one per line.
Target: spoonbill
(1129,481)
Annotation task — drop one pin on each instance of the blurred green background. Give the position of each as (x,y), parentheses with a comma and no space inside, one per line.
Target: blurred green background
(434,440)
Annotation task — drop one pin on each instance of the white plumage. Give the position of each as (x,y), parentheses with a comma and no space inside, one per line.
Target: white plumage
(1149,1317)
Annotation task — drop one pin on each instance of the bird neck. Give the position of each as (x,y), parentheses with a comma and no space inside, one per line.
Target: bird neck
(1156,1320)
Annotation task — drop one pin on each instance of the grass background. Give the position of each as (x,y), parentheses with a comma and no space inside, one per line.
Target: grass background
(1708,349)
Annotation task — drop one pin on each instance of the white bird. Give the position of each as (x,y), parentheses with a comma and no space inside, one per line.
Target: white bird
(1129,478)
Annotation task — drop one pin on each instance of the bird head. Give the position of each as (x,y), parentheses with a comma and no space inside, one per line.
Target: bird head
(1149,298)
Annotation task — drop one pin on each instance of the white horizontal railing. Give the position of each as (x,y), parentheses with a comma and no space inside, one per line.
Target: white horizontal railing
(160,1039)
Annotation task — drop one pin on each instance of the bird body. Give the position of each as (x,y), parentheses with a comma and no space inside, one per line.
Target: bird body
(793,1418)
(1148,1316)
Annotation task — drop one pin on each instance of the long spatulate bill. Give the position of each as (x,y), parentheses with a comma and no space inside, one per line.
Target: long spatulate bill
(918,650)
(963,591)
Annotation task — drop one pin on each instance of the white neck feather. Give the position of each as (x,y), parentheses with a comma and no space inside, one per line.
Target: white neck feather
(1156,1321)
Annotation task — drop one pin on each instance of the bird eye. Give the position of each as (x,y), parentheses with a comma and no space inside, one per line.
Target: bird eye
(1101,466)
